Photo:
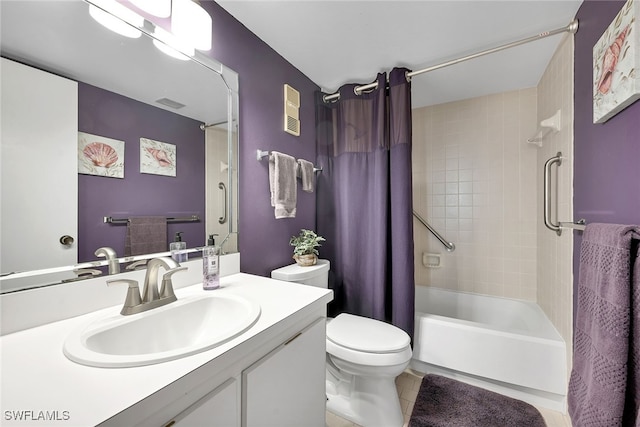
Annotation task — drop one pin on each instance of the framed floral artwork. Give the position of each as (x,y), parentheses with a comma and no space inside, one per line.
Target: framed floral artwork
(98,155)
(157,158)
(616,63)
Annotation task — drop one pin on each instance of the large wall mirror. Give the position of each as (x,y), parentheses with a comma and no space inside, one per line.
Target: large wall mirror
(98,129)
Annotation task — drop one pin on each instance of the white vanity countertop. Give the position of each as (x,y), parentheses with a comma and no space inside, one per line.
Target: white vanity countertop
(36,377)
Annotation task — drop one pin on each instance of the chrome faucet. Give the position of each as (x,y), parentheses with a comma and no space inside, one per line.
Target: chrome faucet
(150,288)
(151,298)
(222,251)
(110,255)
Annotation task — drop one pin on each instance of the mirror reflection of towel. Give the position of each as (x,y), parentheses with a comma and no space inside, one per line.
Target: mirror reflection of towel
(282,183)
(146,235)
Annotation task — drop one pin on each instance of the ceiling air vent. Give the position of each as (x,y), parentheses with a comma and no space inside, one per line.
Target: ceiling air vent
(291,107)
(170,103)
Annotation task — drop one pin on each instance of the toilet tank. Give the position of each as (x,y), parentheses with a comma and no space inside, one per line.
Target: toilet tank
(314,275)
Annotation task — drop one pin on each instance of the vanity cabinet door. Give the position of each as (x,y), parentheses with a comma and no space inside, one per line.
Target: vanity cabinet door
(219,408)
(287,386)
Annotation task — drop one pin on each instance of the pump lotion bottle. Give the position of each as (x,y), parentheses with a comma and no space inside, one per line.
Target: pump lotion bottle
(178,248)
(211,265)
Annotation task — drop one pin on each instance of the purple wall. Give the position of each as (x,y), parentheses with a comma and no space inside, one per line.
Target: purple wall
(607,156)
(264,241)
(114,116)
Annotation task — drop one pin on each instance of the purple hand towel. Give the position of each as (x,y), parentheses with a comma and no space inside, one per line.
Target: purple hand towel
(603,388)
(146,235)
(631,415)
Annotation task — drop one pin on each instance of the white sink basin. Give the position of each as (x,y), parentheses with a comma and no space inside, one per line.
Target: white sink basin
(182,328)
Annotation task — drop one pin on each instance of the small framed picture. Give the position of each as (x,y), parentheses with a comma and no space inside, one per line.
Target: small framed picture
(616,65)
(157,158)
(98,155)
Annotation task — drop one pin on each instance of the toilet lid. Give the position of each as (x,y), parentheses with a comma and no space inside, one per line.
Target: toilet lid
(296,273)
(368,335)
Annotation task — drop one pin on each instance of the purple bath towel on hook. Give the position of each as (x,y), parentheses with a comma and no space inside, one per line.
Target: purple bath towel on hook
(605,379)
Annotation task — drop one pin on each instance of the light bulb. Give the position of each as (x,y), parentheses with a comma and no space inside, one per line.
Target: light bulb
(190,22)
(116,17)
(171,45)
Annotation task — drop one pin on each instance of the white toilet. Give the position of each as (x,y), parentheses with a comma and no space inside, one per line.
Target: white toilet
(364,356)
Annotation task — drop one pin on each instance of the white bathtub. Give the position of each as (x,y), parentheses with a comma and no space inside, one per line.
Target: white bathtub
(505,341)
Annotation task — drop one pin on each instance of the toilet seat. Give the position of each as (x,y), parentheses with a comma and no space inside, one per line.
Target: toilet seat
(367,341)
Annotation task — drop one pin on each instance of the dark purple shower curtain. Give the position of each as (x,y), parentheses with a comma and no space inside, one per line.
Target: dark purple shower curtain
(364,207)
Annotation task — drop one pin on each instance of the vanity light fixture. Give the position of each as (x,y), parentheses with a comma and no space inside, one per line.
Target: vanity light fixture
(172,45)
(159,8)
(191,23)
(111,14)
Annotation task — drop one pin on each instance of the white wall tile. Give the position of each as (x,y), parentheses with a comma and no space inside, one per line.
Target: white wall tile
(477,185)
(555,254)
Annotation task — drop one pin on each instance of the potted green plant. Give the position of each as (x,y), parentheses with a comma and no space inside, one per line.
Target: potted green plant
(305,244)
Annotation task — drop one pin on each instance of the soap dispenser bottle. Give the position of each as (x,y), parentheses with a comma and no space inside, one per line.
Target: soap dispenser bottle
(178,248)
(211,265)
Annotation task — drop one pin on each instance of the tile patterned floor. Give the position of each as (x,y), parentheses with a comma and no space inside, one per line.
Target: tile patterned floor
(408,384)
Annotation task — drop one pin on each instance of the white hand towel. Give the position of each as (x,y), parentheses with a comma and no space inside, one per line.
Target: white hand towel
(282,183)
(306,175)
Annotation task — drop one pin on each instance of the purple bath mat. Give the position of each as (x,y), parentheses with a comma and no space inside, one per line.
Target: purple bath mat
(443,402)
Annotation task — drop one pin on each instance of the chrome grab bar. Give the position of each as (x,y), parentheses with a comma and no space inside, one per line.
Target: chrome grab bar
(547,194)
(449,245)
(223,218)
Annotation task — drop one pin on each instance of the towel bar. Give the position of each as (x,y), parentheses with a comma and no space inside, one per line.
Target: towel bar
(110,220)
(260,154)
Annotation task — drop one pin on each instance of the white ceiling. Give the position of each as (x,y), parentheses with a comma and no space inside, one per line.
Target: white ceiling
(347,41)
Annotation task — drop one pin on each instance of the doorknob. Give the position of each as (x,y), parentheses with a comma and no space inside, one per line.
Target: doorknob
(66,240)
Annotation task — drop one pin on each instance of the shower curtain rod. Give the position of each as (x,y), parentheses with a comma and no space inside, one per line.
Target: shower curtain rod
(204,126)
(571,28)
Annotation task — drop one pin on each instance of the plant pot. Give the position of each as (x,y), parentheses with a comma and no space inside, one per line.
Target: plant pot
(306,260)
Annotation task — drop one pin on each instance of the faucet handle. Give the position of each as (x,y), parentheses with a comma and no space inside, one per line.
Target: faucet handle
(166,290)
(133,294)
(134,265)
(87,272)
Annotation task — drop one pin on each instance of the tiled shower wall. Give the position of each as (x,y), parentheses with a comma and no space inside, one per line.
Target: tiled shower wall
(555,253)
(475,181)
